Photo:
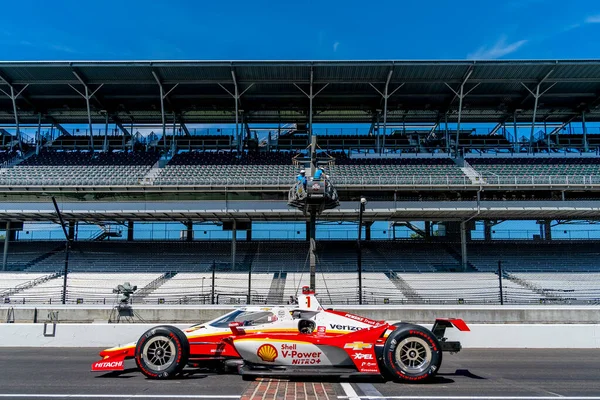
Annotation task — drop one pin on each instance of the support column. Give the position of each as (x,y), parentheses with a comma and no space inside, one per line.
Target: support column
(385,102)
(311,96)
(310,106)
(536,97)
(173,146)
(308,231)
(163,96)
(516,138)
(427,230)
(162,116)
(447,136)
(487,230)
(249,233)
(461,95)
(233,244)
(535,105)
(38,141)
(463,245)
(313,248)
(87,96)
(130,227)
(14,101)
(386,95)
(14,97)
(190,231)
(368,230)
(89,114)
(72,225)
(548,229)
(586,147)
(6,241)
(460,101)
(236,98)
(105,144)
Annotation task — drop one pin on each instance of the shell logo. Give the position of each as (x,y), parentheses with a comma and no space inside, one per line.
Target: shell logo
(267,352)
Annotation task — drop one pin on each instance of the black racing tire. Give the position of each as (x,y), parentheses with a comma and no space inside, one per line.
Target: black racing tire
(162,352)
(411,354)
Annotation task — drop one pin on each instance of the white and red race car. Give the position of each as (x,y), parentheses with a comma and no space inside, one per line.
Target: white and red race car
(283,341)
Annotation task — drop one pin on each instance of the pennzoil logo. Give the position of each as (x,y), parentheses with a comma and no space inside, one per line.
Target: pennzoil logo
(358,345)
(267,352)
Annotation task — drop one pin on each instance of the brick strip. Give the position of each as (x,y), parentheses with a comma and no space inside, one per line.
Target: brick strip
(276,389)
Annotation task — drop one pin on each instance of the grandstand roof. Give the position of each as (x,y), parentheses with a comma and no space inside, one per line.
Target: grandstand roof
(348,91)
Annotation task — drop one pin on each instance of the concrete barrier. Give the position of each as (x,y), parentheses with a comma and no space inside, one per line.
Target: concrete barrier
(481,335)
(543,314)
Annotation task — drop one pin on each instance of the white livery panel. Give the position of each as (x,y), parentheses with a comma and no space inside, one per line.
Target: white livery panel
(291,353)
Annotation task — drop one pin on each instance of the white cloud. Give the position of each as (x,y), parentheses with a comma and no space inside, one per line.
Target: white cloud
(499,49)
(593,19)
(335,46)
(60,47)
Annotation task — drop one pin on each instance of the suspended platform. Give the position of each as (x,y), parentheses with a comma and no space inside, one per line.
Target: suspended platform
(319,195)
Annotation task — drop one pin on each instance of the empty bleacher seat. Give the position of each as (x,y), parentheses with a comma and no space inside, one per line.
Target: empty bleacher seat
(80,168)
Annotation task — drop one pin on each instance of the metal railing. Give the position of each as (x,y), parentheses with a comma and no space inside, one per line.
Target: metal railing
(339,182)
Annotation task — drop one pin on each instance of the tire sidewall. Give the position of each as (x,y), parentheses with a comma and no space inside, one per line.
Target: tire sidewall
(180,343)
(393,341)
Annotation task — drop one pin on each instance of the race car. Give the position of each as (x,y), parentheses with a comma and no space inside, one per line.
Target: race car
(284,341)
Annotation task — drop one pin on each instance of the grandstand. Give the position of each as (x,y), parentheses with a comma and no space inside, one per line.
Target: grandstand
(419,156)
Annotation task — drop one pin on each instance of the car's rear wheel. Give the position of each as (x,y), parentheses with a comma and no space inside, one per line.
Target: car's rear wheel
(162,352)
(412,354)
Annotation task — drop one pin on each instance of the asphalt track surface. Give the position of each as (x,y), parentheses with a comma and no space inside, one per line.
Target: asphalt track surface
(471,374)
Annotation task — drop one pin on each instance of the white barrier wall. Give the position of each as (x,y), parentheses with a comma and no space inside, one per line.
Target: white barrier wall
(481,335)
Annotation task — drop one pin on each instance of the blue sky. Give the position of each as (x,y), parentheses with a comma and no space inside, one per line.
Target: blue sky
(260,29)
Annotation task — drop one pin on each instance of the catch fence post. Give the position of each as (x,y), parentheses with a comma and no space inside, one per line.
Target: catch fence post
(500,282)
(212,286)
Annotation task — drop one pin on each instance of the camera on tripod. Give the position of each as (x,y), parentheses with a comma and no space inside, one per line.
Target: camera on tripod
(125,291)
(123,309)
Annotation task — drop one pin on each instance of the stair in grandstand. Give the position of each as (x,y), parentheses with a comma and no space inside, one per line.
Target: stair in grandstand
(152,286)
(372,255)
(458,257)
(154,172)
(545,296)
(276,291)
(16,160)
(30,284)
(44,256)
(107,232)
(471,173)
(411,295)
(248,259)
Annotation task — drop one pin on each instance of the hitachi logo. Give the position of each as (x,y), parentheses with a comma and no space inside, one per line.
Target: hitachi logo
(108,364)
(344,327)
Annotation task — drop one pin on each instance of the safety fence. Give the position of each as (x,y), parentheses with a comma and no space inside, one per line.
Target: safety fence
(244,287)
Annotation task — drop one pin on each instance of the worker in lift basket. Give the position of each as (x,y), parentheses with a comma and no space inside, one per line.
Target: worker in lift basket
(320,174)
(302,178)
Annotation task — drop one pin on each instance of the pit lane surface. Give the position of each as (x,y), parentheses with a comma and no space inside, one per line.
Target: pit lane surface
(472,374)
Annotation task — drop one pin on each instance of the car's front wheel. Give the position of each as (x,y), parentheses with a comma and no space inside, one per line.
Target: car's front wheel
(162,352)
(412,354)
